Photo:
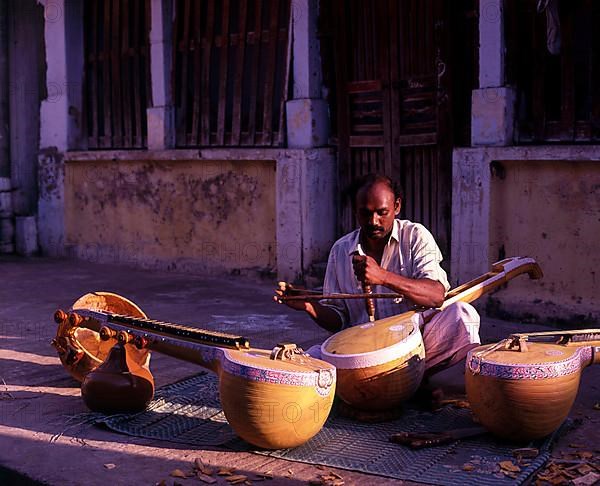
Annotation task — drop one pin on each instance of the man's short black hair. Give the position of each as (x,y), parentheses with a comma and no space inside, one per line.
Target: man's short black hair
(366,181)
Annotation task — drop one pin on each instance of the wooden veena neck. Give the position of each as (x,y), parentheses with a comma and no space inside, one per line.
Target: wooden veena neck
(220,339)
(501,272)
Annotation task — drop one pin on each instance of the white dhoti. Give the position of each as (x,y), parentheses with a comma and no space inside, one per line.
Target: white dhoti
(447,337)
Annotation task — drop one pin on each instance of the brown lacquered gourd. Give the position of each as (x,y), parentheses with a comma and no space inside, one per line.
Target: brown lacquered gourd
(273,399)
(381,364)
(523,390)
(115,387)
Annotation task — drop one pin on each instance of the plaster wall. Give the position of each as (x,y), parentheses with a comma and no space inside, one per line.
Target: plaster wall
(541,201)
(209,216)
(549,210)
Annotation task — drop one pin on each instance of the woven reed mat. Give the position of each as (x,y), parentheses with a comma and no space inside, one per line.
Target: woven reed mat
(189,412)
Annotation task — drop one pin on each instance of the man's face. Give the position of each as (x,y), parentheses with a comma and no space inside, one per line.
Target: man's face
(376,209)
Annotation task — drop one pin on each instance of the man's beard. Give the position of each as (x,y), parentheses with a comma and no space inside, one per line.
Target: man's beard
(375,232)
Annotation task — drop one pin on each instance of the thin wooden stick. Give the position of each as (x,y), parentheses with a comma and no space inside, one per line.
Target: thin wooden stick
(293,291)
(311,296)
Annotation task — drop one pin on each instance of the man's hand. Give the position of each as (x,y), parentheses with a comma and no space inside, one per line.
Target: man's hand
(324,316)
(284,288)
(423,291)
(368,271)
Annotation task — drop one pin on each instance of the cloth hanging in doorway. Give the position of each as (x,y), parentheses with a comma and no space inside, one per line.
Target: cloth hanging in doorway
(553,42)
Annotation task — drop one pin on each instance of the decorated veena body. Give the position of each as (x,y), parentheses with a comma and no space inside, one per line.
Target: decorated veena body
(523,387)
(273,399)
(381,364)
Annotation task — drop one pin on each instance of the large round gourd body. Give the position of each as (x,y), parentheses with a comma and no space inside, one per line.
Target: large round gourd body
(527,406)
(383,387)
(379,365)
(276,415)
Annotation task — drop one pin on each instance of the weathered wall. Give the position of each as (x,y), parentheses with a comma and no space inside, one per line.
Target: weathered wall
(549,210)
(210,216)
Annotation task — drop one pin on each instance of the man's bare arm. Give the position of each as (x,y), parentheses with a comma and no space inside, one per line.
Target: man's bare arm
(324,316)
(422,291)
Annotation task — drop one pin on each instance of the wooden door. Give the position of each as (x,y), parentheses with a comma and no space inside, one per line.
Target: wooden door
(393,101)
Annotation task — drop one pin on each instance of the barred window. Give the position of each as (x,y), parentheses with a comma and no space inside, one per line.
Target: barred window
(231,72)
(553,60)
(117,76)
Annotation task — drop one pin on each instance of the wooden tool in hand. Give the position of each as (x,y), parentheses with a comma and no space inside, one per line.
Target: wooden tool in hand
(369,302)
(419,440)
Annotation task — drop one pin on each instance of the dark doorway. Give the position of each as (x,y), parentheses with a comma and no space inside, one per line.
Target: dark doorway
(400,75)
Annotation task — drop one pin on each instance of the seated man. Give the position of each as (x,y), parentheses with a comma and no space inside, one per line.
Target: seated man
(391,255)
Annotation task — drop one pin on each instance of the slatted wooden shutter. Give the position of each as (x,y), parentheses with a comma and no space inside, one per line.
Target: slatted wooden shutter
(558,96)
(230,73)
(117,74)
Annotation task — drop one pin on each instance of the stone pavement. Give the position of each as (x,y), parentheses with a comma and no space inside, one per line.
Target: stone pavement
(40,434)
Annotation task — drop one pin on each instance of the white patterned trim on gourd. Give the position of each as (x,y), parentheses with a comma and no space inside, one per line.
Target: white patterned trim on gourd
(378,357)
(322,379)
(532,371)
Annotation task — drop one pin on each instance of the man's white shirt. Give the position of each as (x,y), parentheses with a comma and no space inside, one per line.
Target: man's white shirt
(411,251)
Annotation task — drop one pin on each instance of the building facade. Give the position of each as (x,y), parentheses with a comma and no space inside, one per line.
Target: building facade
(218,136)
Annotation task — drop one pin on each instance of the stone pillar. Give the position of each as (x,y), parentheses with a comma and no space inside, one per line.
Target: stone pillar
(4,114)
(161,125)
(7,228)
(306,178)
(25,70)
(54,132)
(493,104)
(6,214)
(470,214)
(306,213)
(307,113)
(26,242)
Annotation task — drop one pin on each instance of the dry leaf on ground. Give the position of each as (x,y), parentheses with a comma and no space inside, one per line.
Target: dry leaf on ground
(203,468)
(526,453)
(331,479)
(178,473)
(585,454)
(236,479)
(204,478)
(588,480)
(509,466)
(200,466)
(556,480)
